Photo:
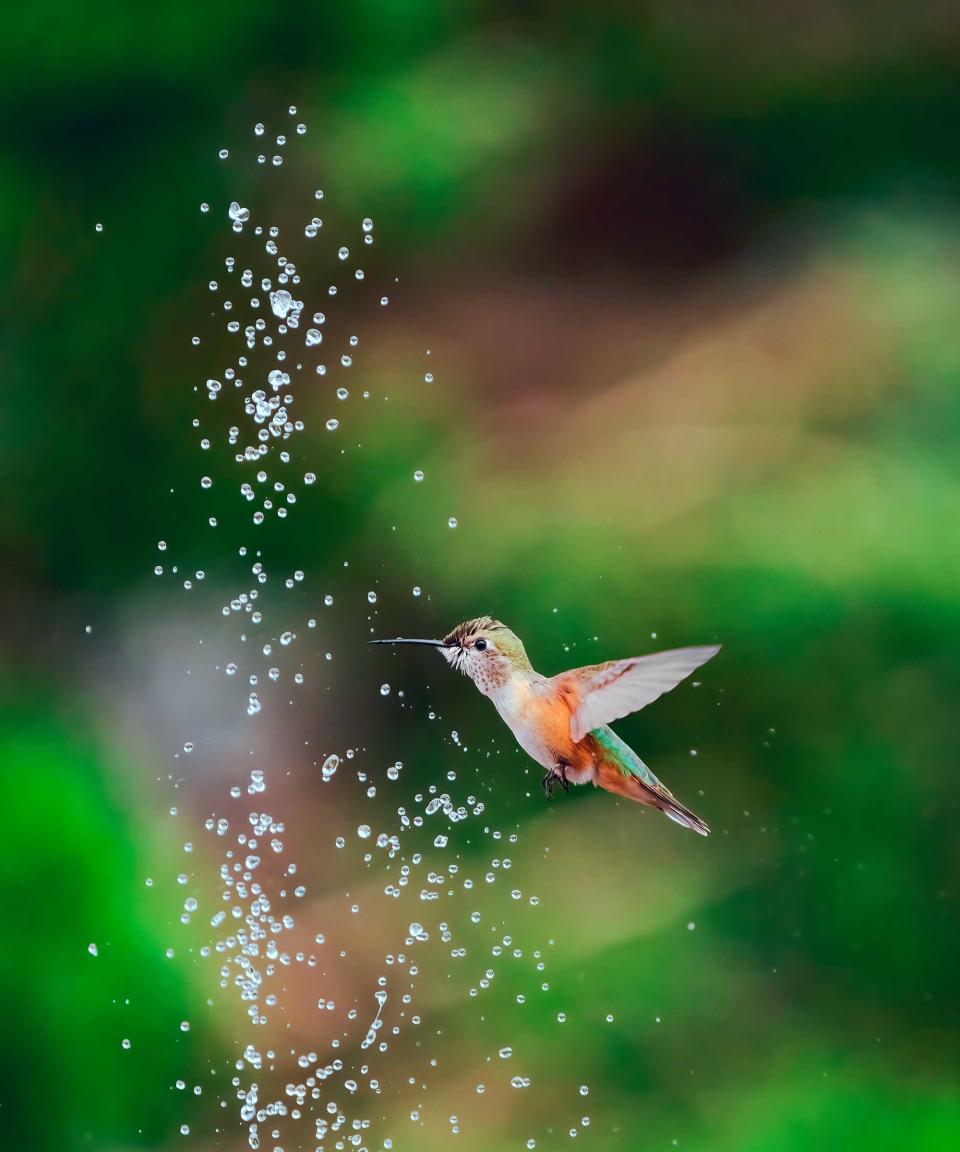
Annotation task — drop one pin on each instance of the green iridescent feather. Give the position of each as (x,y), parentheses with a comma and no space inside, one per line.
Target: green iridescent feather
(624,756)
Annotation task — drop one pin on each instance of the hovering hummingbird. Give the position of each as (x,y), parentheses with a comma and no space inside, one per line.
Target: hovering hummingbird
(563,721)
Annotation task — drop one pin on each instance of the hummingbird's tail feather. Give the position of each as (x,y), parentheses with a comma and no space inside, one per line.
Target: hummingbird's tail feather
(682,815)
(648,791)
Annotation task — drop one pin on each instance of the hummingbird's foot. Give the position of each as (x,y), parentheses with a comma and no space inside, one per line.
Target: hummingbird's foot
(561,770)
(551,776)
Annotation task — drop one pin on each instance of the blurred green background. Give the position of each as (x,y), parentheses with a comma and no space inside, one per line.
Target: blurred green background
(689,277)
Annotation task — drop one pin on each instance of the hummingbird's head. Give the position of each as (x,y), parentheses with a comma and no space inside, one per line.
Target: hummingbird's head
(486,651)
(483,649)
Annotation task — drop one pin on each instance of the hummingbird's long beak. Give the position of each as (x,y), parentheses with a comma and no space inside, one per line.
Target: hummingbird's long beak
(402,640)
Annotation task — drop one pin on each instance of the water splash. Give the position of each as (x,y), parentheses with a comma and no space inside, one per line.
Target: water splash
(264,930)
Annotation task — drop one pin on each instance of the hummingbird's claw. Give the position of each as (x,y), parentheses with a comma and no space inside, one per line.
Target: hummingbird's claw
(550,778)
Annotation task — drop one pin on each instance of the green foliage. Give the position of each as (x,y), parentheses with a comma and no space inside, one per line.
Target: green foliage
(71,875)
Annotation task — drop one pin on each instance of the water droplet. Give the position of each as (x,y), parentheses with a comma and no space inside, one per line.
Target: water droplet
(363,831)
(384,689)
(452,522)
(281,302)
(418,475)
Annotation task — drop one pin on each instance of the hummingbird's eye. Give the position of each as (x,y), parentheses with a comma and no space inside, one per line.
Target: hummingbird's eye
(480,645)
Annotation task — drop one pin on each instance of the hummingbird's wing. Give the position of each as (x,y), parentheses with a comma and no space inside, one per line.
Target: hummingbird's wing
(601,693)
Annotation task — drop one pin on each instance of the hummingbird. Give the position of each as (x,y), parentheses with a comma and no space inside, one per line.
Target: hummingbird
(563,722)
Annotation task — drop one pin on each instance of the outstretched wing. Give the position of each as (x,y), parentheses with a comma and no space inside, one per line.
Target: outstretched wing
(601,693)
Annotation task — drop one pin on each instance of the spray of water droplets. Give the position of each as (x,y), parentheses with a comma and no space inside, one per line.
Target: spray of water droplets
(440,914)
